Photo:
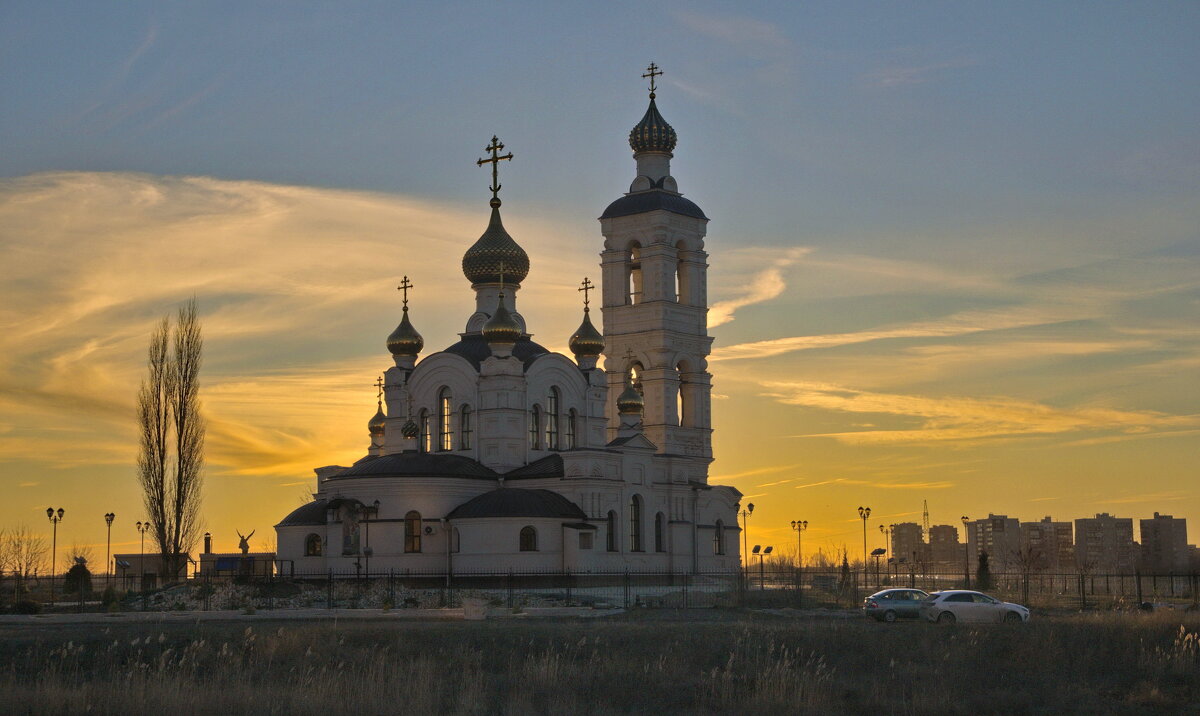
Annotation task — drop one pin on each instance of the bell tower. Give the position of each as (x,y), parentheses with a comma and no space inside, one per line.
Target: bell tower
(655,302)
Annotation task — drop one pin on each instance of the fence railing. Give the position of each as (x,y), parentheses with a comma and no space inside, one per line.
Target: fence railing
(753,587)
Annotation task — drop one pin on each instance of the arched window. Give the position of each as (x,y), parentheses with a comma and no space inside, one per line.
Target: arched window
(528,539)
(552,419)
(660,537)
(312,545)
(445,421)
(535,432)
(719,538)
(464,428)
(635,274)
(426,440)
(612,531)
(683,292)
(572,428)
(635,524)
(412,532)
(454,546)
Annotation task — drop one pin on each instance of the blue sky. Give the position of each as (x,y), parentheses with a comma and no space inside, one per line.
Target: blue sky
(955,244)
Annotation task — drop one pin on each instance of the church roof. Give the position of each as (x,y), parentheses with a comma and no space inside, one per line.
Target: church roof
(311,514)
(518,502)
(652,200)
(474,347)
(549,466)
(419,464)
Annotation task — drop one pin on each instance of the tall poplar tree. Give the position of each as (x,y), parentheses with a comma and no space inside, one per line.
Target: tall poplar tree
(171,450)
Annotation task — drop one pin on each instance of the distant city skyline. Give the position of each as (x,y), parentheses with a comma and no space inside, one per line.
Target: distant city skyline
(954,252)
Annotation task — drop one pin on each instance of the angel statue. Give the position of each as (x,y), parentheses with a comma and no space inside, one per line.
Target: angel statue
(244,544)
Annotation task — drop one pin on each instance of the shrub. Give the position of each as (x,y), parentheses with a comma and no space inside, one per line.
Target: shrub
(27,606)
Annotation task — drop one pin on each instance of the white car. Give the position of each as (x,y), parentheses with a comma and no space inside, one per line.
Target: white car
(961,605)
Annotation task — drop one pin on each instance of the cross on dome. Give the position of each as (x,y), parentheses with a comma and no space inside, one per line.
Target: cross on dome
(586,286)
(495,148)
(405,284)
(379,389)
(652,71)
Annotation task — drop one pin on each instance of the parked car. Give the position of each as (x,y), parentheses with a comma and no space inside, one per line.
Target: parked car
(962,605)
(892,604)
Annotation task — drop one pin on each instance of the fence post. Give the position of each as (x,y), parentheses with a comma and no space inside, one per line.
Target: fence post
(508,588)
(625,584)
(686,578)
(329,592)
(567,576)
(1082,589)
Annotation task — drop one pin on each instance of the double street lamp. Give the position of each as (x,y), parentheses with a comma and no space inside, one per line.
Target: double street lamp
(142,528)
(55,517)
(800,526)
(864,513)
(745,515)
(108,520)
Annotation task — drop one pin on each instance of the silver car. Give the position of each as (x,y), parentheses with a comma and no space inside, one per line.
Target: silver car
(892,604)
(962,605)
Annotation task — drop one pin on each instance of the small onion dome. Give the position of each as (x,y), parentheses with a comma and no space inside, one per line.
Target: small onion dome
(405,341)
(495,249)
(410,429)
(502,327)
(652,134)
(587,341)
(630,401)
(377,423)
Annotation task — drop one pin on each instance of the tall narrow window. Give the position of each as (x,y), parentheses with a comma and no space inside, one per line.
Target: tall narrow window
(635,524)
(445,421)
(684,397)
(528,539)
(571,429)
(312,545)
(660,543)
(635,273)
(426,441)
(464,428)
(535,432)
(683,289)
(612,531)
(552,420)
(412,532)
(719,538)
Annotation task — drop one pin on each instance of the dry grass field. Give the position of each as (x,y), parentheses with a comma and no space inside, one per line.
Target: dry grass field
(662,662)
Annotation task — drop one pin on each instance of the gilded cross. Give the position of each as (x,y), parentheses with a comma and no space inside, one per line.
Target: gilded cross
(502,279)
(586,286)
(652,71)
(495,160)
(404,286)
(379,388)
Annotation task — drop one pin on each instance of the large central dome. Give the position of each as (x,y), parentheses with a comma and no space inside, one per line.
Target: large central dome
(495,250)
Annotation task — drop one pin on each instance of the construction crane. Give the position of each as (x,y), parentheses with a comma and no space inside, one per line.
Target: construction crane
(925,520)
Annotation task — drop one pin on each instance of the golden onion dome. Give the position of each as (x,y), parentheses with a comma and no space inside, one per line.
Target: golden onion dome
(378,423)
(630,401)
(405,341)
(502,327)
(587,341)
(652,134)
(410,429)
(494,253)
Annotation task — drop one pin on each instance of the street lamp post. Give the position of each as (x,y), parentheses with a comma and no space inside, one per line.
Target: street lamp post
(55,517)
(966,550)
(745,514)
(142,528)
(800,526)
(864,513)
(108,520)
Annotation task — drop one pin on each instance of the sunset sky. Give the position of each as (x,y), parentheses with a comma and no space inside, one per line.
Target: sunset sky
(954,248)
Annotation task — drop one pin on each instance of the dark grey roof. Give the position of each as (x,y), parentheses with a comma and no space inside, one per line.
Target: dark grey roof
(517,502)
(311,514)
(549,466)
(419,464)
(652,200)
(475,349)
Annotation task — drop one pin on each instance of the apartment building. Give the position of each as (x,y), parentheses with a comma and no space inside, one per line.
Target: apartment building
(1104,543)
(1048,545)
(1164,544)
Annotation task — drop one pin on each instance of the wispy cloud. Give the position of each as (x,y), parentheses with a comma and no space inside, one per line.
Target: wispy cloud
(748,34)
(764,286)
(1167,496)
(952,418)
(882,484)
(899,75)
(756,471)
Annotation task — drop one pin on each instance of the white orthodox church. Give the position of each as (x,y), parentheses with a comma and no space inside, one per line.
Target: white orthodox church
(496,455)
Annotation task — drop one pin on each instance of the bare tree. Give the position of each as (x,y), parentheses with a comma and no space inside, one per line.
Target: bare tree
(75,552)
(23,552)
(171,458)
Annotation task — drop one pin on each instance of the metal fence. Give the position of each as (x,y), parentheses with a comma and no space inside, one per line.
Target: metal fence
(754,587)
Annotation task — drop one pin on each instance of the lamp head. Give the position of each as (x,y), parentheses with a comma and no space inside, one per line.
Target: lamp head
(60,513)
(756,549)
(109,517)
(50,513)
(750,507)
(768,549)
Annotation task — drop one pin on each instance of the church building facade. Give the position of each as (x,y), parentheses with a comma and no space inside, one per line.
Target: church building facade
(496,455)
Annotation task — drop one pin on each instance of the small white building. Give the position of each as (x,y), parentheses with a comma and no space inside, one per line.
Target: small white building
(496,455)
